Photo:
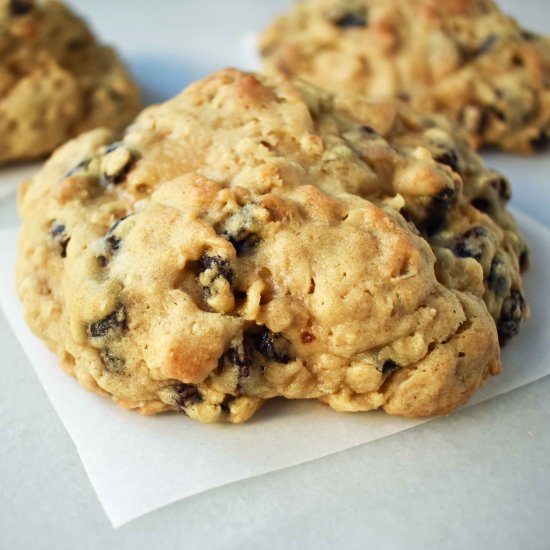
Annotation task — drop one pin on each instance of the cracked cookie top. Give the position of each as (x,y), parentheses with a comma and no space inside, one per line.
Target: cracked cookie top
(255,237)
(463,58)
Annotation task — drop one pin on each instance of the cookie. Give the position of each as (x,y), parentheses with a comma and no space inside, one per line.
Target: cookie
(463,58)
(254,238)
(56,81)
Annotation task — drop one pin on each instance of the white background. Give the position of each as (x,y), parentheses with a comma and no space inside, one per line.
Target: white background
(478,479)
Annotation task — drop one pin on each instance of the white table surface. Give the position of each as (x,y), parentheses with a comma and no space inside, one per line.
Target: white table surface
(491,488)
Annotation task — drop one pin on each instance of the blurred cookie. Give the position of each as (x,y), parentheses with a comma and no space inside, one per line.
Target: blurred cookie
(55,80)
(463,58)
(247,240)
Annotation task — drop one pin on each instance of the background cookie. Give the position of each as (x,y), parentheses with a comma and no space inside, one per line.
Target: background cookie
(462,58)
(55,80)
(244,241)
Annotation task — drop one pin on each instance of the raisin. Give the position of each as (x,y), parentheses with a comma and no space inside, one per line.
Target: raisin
(498,113)
(240,295)
(116,224)
(524,261)
(106,179)
(307,337)
(76,44)
(246,245)
(487,44)
(102,260)
(482,122)
(226,402)
(437,212)
(57,229)
(109,325)
(517,61)
(471,244)
(58,232)
(64,243)
(501,185)
(406,215)
(240,229)
(389,366)
(114,243)
(242,357)
(274,346)
(112,363)
(367,130)
(80,167)
(511,316)
(185,395)
(351,20)
(444,196)
(541,142)
(449,158)
(433,223)
(482,204)
(21,7)
(115,95)
(113,147)
(527,35)
(498,279)
(122,171)
(221,267)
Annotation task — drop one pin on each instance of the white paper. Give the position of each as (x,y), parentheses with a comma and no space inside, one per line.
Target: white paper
(137,464)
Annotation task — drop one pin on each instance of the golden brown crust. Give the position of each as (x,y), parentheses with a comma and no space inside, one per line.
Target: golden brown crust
(244,241)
